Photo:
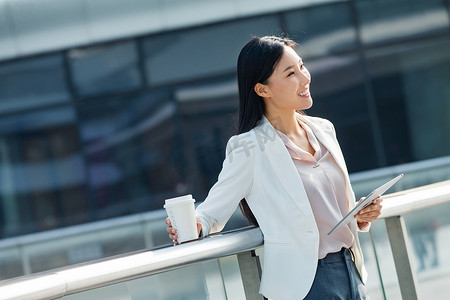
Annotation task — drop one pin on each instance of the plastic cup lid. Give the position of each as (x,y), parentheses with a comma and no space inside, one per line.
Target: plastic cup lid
(179,200)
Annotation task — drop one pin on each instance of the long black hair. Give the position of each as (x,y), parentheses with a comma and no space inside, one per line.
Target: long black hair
(256,62)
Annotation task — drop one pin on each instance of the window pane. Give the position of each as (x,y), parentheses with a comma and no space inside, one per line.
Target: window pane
(31,83)
(338,93)
(383,21)
(207,122)
(131,144)
(43,174)
(105,69)
(413,95)
(87,245)
(201,52)
(323,29)
(428,230)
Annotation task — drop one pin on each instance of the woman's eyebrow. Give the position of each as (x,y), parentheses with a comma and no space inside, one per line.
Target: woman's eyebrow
(299,61)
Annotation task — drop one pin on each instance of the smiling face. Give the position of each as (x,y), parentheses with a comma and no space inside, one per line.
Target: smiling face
(287,88)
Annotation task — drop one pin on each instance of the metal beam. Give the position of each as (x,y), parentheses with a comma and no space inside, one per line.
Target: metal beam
(398,238)
(250,268)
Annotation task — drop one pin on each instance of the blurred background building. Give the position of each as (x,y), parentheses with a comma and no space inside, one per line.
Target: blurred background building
(109,107)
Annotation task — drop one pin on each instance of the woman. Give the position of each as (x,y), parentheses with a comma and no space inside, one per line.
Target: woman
(288,173)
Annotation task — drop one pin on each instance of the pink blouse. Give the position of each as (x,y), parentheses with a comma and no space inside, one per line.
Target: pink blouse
(325,186)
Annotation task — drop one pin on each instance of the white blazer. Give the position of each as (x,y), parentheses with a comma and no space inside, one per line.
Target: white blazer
(258,167)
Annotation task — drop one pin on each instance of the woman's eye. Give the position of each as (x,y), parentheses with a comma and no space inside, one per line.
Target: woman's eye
(290,74)
(302,66)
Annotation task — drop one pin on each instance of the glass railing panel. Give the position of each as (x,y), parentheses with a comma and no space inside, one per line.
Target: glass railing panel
(379,252)
(416,174)
(217,279)
(10,263)
(428,231)
(156,233)
(232,277)
(83,247)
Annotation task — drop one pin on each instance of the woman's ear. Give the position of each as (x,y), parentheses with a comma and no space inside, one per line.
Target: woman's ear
(262,90)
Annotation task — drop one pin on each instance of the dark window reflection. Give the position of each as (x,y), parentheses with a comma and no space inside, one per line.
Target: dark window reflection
(116,154)
(130,145)
(43,175)
(105,69)
(32,83)
(390,103)
(412,93)
(201,52)
(323,29)
(384,21)
(337,89)
(207,120)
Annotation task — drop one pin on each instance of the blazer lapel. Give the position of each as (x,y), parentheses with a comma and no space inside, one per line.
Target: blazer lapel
(280,160)
(326,139)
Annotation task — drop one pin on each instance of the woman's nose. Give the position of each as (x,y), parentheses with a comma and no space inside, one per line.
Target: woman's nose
(305,78)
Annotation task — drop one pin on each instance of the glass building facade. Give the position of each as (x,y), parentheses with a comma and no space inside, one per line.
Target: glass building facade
(114,128)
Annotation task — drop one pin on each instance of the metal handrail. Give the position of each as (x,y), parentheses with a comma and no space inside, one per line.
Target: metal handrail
(417,166)
(73,279)
(70,280)
(403,202)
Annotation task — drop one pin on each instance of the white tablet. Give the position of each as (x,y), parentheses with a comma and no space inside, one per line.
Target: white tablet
(366,202)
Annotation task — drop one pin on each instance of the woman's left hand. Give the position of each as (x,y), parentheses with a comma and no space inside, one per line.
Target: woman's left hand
(369,214)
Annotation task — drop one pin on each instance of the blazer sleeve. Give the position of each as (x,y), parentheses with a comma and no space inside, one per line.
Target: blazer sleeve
(233,184)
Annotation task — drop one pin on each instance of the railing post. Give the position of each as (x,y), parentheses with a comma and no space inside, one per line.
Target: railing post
(250,268)
(398,238)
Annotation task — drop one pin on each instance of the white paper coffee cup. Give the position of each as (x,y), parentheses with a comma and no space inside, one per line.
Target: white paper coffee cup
(181,212)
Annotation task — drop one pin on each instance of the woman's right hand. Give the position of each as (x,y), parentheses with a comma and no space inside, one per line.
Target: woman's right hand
(173,232)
